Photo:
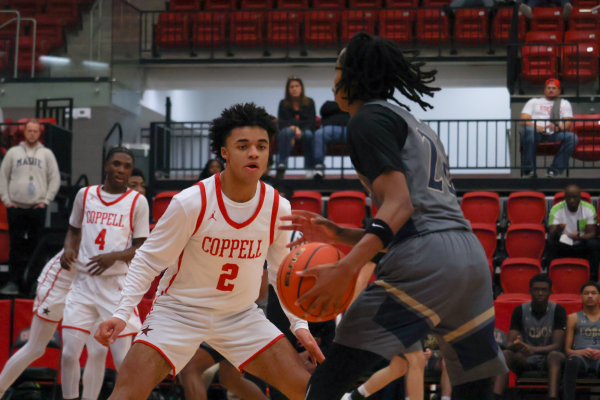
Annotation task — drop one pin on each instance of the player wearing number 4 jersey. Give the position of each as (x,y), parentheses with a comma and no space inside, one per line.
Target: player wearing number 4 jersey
(108,223)
(214,239)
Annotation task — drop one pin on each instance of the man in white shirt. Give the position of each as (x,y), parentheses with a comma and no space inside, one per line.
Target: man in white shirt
(572,232)
(541,130)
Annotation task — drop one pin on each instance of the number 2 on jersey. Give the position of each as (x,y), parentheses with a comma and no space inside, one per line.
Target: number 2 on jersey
(101,239)
(231,273)
(437,185)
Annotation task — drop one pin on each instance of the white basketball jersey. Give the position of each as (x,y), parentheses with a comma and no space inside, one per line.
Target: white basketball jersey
(107,227)
(222,264)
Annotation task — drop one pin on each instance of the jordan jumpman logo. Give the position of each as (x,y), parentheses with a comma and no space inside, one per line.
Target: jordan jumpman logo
(212,216)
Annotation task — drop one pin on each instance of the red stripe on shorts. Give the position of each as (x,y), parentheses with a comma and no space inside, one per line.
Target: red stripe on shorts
(159,351)
(271,343)
(77,329)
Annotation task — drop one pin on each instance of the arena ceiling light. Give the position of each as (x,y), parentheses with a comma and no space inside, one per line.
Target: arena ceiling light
(96,64)
(55,60)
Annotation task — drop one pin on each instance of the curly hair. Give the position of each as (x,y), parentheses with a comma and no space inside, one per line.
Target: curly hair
(238,116)
(374,68)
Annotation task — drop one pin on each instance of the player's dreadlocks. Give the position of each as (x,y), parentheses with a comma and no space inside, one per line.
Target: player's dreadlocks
(238,116)
(119,149)
(374,68)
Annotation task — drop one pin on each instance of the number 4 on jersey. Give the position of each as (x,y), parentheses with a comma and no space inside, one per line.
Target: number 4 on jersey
(101,239)
(437,184)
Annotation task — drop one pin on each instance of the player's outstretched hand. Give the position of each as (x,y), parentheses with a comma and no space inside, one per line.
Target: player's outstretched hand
(109,331)
(310,344)
(100,263)
(68,259)
(314,228)
(332,283)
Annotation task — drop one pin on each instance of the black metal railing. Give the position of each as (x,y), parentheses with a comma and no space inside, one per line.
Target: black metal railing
(179,151)
(290,33)
(59,109)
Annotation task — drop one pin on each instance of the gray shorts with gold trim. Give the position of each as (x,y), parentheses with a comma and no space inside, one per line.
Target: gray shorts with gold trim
(438,283)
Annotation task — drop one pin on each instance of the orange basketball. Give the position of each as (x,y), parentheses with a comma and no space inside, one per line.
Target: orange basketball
(291,286)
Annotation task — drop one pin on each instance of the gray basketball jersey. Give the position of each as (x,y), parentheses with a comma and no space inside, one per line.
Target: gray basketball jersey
(429,182)
(538,333)
(587,333)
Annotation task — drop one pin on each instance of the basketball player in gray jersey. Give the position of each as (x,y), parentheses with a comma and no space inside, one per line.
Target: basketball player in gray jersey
(536,337)
(582,343)
(435,277)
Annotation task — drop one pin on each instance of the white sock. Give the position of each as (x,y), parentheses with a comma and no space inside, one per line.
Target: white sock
(407,398)
(363,391)
(39,336)
(93,374)
(73,342)
(119,350)
(445,397)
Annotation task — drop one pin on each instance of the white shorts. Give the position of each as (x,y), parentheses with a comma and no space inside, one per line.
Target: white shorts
(96,297)
(53,286)
(176,331)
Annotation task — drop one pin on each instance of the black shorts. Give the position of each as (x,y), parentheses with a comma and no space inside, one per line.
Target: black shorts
(213,353)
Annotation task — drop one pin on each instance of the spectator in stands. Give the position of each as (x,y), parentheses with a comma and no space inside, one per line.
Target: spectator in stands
(212,167)
(332,130)
(297,119)
(527,5)
(29,180)
(137,181)
(548,129)
(535,337)
(572,230)
(581,344)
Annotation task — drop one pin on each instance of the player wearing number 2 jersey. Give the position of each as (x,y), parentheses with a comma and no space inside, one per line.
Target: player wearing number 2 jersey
(108,223)
(214,238)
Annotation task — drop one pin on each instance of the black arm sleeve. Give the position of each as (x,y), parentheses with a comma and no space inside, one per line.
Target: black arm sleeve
(376,136)
(516,320)
(560,318)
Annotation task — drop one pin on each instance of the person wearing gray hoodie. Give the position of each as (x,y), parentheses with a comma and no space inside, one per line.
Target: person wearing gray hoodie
(29,180)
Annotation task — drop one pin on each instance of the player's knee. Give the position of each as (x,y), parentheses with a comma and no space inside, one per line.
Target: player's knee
(229,381)
(398,366)
(572,363)
(555,358)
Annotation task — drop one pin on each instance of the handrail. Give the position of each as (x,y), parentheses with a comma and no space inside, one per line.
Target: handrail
(97,5)
(34,44)
(17,36)
(118,127)
(84,178)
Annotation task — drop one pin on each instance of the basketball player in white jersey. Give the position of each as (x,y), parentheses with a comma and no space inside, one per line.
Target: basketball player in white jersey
(214,239)
(108,223)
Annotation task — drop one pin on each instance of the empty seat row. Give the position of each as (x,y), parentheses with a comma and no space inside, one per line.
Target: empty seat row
(567,274)
(197,5)
(182,30)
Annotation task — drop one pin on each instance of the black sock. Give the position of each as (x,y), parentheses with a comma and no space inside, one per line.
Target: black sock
(335,377)
(355,395)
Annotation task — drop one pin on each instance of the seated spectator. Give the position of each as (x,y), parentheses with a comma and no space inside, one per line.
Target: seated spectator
(544,131)
(332,130)
(572,230)
(212,167)
(535,337)
(581,344)
(137,181)
(565,4)
(296,117)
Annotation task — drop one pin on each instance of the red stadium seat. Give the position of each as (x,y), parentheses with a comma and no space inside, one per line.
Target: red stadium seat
(65,9)
(486,233)
(347,207)
(504,306)
(329,4)
(365,4)
(184,5)
(397,25)
(502,24)
(27,8)
(5,321)
(246,28)
(307,201)
(584,21)
(256,4)
(525,241)
(283,28)
(560,196)
(582,37)
(544,37)
(292,4)
(173,30)
(4,243)
(358,21)
(526,208)
(516,273)
(580,62)
(401,3)
(588,133)
(436,3)
(568,274)
(208,29)
(432,27)
(584,3)
(219,5)
(571,302)
(472,26)
(547,19)
(481,207)
(26,53)
(321,27)
(161,203)
(51,28)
